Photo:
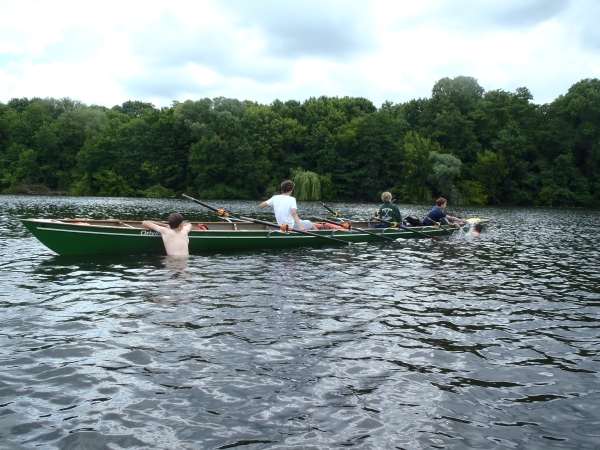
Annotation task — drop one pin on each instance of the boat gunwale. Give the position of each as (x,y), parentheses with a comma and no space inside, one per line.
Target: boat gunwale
(255,228)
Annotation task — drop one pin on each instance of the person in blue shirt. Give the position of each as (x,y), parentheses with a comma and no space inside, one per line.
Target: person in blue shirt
(437,214)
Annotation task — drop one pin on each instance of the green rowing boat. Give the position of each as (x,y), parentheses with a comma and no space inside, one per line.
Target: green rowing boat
(81,236)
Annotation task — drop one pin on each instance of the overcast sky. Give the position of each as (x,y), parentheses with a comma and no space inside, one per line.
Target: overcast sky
(107,52)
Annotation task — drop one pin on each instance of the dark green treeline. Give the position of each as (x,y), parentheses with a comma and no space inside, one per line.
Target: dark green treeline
(464,143)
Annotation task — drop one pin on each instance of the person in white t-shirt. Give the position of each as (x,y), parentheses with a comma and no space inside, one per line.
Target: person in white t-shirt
(285,208)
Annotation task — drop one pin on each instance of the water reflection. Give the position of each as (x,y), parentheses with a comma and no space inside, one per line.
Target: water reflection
(168,280)
(176,265)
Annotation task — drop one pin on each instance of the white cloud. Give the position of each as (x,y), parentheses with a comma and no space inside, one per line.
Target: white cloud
(109,52)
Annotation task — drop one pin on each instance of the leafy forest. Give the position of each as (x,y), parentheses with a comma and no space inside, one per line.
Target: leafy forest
(467,144)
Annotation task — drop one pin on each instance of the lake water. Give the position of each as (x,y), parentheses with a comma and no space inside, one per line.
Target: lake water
(456,343)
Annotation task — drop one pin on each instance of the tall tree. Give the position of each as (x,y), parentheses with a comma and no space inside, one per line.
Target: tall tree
(416,167)
(573,126)
(490,171)
(461,92)
(445,169)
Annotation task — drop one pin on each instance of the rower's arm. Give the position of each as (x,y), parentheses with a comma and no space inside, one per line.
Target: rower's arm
(187,228)
(457,219)
(297,219)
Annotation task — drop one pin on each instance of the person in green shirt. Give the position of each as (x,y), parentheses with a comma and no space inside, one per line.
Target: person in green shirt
(388,212)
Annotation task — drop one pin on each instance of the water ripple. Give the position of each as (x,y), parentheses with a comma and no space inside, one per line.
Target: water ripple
(447,343)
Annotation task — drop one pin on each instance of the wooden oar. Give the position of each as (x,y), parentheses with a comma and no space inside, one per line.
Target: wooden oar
(220,212)
(336,214)
(288,228)
(439,225)
(224,213)
(333,213)
(399,225)
(348,226)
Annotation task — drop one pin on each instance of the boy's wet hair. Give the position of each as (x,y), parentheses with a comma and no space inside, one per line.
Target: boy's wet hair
(440,201)
(287,186)
(175,220)
(478,227)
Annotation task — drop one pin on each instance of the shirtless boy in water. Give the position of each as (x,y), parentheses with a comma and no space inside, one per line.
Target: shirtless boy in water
(477,230)
(175,237)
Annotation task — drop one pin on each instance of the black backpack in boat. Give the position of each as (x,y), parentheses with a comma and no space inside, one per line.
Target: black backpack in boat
(412,222)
